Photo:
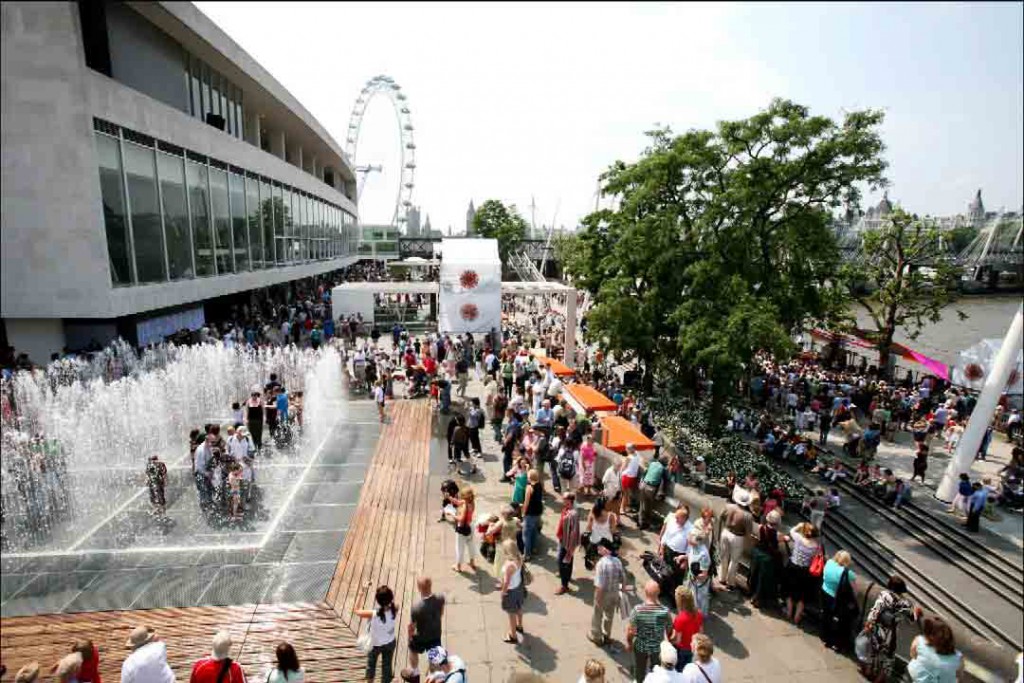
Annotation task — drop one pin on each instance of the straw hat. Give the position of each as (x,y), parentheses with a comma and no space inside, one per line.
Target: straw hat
(28,673)
(139,636)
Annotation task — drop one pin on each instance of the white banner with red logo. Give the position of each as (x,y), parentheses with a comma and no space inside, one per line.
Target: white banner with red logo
(470,279)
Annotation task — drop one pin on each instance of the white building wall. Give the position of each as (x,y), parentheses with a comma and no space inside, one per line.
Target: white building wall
(53,246)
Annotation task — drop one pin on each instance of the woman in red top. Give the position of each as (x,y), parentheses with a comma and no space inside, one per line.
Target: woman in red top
(688,622)
(90,671)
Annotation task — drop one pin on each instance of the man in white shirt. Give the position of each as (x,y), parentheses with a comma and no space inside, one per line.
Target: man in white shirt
(674,536)
(147,662)
(200,470)
(238,445)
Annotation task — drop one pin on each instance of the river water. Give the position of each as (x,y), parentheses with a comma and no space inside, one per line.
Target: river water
(989,317)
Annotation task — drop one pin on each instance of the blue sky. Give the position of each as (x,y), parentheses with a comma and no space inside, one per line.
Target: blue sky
(535,100)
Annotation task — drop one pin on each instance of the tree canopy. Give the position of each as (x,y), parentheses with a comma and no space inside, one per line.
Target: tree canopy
(722,240)
(495,220)
(902,278)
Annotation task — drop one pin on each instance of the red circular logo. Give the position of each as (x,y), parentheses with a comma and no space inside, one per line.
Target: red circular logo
(469,312)
(973,372)
(469,279)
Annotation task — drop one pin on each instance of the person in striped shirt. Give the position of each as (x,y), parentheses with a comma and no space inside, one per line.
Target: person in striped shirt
(649,624)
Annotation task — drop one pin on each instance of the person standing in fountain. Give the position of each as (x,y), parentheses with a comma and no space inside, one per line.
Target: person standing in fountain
(156,481)
(254,419)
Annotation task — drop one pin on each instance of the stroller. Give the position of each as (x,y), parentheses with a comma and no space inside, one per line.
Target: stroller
(590,556)
(667,576)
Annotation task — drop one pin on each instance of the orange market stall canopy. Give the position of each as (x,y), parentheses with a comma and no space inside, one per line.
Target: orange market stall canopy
(558,367)
(590,399)
(617,431)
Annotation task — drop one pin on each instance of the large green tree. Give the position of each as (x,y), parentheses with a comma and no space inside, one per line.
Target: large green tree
(495,220)
(722,240)
(903,278)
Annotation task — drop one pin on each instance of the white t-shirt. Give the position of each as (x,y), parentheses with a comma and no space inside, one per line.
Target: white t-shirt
(147,664)
(691,674)
(382,632)
(660,675)
(610,482)
(676,534)
(632,468)
(378,395)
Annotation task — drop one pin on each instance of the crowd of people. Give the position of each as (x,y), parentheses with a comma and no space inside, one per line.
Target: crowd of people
(543,440)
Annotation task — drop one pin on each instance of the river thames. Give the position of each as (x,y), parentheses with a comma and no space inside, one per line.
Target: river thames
(988,318)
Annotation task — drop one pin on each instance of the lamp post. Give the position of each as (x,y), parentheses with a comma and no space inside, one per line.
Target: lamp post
(967,450)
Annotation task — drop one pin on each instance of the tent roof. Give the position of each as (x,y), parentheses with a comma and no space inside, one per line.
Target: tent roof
(386,288)
(589,398)
(470,251)
(558,367)
(617,431)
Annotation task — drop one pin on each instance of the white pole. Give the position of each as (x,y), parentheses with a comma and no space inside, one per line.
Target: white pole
(569,357)
(1003,365)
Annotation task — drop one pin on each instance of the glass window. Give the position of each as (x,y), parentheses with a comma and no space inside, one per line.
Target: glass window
(241,114)
(207,100)
(194,72)
(172,193)
(307,244)
(140,172)
(252,202)
(240,234)
(267,218)
(302,224)
(214,92)
(202,226)
(289,226)
(114,217)
(221,220)
(280,218)
(224,111)
(229,116)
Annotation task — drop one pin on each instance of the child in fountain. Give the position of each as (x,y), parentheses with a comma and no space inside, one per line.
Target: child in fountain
(156,481)
(236,414)
(235,489)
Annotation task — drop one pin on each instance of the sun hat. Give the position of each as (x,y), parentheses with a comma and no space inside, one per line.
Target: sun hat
(28,673)
(68,664)
(437,655)
(222,645)
(139,636)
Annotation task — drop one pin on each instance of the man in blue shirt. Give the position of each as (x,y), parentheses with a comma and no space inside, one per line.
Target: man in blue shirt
(545,416)
(282,405)
(975,506)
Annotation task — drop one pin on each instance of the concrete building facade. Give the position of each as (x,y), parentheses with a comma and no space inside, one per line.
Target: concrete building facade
(149,164)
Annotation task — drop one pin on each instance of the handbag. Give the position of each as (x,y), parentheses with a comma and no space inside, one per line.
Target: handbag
(817,567)
(862,647)
(363,643)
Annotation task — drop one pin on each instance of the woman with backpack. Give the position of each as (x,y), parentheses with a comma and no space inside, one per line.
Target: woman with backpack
(878,659)
(839,603)
(382,634)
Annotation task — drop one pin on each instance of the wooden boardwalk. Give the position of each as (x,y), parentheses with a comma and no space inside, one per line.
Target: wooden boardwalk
(384,546)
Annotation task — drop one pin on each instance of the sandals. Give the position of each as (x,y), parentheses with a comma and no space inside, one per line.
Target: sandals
(510,639)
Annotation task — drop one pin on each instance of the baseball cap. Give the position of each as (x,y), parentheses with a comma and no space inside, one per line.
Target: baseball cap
(437,655)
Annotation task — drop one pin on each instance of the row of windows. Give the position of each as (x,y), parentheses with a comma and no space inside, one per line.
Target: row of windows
(173,215)
(211,93)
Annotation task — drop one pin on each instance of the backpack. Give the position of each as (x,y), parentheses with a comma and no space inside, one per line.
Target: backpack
(566,465)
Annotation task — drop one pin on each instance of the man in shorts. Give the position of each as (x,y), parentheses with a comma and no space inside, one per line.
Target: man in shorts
(424,626)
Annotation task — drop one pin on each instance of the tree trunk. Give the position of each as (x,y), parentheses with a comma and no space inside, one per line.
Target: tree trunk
(719,391)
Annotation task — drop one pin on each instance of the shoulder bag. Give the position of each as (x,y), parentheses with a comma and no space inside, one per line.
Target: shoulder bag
(817,567)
